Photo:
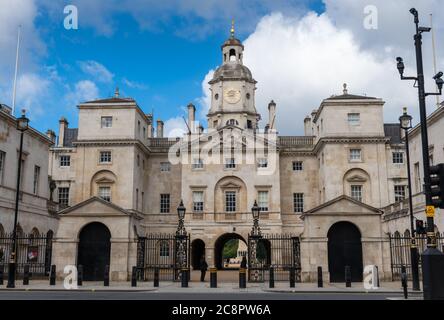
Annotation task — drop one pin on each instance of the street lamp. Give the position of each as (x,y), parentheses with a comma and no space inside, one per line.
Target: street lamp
(22,126)
(405,121)
(433,281)
(256,231)
(181,245)
(181,231)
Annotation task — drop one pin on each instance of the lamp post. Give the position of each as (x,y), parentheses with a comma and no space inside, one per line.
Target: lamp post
(256,230)
(432,258)
(22,126)
(181,243)
(406,123)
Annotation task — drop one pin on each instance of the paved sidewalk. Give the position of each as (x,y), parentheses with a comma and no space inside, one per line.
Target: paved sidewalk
(223,287)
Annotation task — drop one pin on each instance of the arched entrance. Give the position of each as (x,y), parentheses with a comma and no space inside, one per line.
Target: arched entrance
(344,249)
(197,251)
(94,251)
(219,247)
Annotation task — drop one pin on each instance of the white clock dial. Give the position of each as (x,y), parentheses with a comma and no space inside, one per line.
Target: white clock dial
(232,95)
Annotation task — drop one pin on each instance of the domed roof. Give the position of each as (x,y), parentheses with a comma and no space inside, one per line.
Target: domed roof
(232,71)
(232,41)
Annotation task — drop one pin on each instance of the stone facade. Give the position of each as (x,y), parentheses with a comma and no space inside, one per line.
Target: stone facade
(340,170)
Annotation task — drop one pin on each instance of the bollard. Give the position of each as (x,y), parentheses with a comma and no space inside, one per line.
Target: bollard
(404,281)
(213,278)
(2,272)
(377,276)
(184,277)
(80,275)
(52,275)
(106,277)
(242,278)
(271,284)
(348,277)
(292,277)
(320,280)
(156,277)
(26,275)
(134,277)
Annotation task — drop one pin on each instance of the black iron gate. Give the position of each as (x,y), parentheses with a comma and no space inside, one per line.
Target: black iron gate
(400,252)
(279,251)
(32,250)
(166,252)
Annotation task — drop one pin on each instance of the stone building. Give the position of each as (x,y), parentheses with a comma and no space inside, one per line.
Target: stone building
(37,213)
(119,180)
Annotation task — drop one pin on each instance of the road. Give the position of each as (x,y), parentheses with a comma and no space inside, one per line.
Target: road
(113,295)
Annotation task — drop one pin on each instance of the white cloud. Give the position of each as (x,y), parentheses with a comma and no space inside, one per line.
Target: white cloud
(134,84)
(175,127)
(84,90)
(32,92)
(96,70)
(204,102)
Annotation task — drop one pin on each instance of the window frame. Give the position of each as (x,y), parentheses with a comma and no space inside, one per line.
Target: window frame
(295,165)
(359,187)
(264,199)
(165,166)
(399,198)
(99,193)
(350,156)
(298,202)
(396,159)
(165,203)
(198,206)
(65,161)
(65,192)
(101,153)
(354,121)
(2,165)
(104,122)
(36,181)
(230,203)
(230,163)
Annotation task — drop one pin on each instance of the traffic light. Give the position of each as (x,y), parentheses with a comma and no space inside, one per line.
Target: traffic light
(420,229)
(437,185)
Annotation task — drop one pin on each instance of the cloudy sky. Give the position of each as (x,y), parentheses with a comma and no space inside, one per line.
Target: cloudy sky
(162,53)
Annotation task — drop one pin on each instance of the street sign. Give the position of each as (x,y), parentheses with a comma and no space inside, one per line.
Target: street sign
(430,211)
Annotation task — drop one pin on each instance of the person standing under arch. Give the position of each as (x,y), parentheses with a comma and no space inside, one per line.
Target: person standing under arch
(203,269)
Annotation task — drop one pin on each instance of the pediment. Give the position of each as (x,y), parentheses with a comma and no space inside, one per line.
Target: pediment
(356,178)
(104,180)
(95,207)
(343,205)
(230,185)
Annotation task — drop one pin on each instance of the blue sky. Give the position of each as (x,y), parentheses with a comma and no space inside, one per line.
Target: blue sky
(161,53)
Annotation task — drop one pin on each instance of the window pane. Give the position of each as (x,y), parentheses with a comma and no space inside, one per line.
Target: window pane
(399,193)
(198,201)
(297,165)
(165,203)
(353,118)
(36,179)
(107,122)
(105,193)
(105,157)
(65,161)
(230,201)
(262,200)
(298,202)
(165,166)
(355,154)
(2,165)
(356,192)
(230,163)
(262,163)
(197,164)
(63,197)
(398,157)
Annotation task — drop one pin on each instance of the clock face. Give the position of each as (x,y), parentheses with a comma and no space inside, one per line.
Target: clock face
(232,95)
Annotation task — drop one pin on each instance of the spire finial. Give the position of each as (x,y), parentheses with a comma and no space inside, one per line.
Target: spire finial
(116,93)
(232,28)
(345,88)
(404,110)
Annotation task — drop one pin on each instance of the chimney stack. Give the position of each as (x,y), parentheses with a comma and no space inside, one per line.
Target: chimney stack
(63,125)
(150,125)
(271,115)
(51,135)
(307,126)
(159,128)
(191,116)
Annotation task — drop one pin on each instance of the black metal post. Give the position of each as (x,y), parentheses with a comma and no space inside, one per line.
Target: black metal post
(292,277)
(12,261)
(242,278)
(184,277)
(134,277)
(156,277)
(213,278)
(106,277)
(320,280)
(404,281)
(26,275)
(348,277)
(2,270)
(414,261)
(271,279)
(80,275)
(52,276)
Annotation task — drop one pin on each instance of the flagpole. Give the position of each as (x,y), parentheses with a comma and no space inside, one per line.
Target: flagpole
(434,55)
(16,69)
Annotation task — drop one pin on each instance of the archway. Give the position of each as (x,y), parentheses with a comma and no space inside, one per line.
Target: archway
(344,249)
(94,251)
(197,252)
(220,245)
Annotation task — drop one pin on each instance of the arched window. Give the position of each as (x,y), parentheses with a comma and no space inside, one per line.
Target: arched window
(164,249)
(232,122)
(232,55)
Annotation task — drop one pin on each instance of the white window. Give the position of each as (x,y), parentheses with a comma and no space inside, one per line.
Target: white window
(230,163)
(2,165)
(63,197)
(297,166)
(398,157)
(230,201)
(418,185)
(198,201)
(298,202)
(262,200)
(105,193)
(353,119)
(107,122)
(262,163)
(355,154)
(165,203)
(165,166)
(198,164)
(105,157)
(399,193)
(164,249)
(36,179)
(356,192)
(65,161)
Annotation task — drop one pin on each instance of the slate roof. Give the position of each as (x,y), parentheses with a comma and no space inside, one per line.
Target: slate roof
(349,97)
(393,131)
(111,100)
(70,136)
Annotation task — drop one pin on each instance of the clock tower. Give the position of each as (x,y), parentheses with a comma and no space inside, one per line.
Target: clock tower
(232,90)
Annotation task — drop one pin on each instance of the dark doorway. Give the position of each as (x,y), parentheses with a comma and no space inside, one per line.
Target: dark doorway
(219,248)
(344,249)
(94,251)
(197,251)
